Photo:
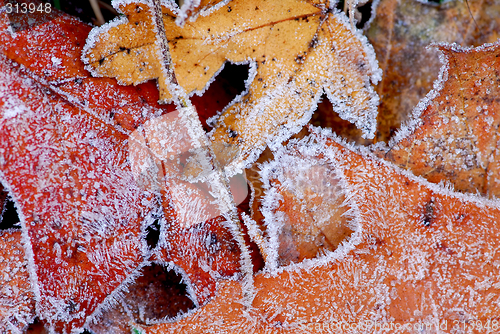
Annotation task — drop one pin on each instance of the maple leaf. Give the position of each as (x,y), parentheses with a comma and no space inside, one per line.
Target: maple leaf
(297,51)
(400,33)
(65,159)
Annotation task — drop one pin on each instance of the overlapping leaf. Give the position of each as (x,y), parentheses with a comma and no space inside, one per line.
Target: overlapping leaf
(297,50)
(422,255)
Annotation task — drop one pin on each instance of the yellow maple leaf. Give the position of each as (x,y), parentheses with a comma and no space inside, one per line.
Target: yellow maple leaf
(297,51)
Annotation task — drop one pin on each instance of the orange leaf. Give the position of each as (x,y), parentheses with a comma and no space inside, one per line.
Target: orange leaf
(421,254)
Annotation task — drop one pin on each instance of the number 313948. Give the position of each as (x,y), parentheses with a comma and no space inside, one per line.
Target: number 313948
(24,8)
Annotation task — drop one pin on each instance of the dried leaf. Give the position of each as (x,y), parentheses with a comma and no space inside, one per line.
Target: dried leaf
(422,255)
(453,136)
(313,51)
(400,33)
(17,300)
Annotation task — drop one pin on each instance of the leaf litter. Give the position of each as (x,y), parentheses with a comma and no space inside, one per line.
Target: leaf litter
(400,34)
(427,212)
(452,135)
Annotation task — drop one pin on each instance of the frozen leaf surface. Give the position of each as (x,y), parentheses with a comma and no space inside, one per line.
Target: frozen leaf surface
(422,253)
(64,158)
(400,34)
(71,138)
(79,203)
(297,50)
(205,252)
(303,208)
(17,300)
(453,135)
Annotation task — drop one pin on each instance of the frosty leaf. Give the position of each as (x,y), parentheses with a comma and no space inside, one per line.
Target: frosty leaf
(422,254)
(67,168)
(400,33)
(454,132)
(17,301)
(303,207)
(93,128)
(297,51)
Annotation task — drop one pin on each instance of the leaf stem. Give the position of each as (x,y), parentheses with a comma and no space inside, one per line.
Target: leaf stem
(218,180)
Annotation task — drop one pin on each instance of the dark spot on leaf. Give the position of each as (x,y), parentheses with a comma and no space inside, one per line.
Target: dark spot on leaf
(101,61)
(229,9)
(314,42)
(71,306)
(232,133)
(138,9)
(256,8)
(443,247)
(428,213)
(300,59)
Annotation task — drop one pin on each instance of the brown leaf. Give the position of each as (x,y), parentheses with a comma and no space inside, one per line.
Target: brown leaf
(454,135)
(400,33)
(422,254)
(313,51)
